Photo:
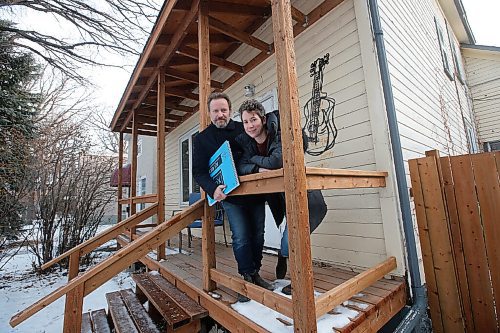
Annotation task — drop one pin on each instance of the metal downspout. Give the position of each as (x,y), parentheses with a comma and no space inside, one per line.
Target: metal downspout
(416,318)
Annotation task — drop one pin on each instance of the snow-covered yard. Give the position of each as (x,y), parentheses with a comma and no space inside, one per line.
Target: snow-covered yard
(20,287)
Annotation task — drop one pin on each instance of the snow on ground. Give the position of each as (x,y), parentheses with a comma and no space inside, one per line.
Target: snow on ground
(20,288)
(268,318)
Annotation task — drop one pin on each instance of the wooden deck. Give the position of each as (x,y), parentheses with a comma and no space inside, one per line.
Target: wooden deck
(384,298)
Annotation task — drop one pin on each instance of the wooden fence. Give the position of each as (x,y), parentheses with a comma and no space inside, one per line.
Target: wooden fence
(457,203)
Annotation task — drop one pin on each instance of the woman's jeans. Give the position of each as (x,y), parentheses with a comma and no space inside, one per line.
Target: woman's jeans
(247,228)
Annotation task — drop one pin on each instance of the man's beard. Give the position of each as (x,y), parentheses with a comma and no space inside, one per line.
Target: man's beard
(221,123)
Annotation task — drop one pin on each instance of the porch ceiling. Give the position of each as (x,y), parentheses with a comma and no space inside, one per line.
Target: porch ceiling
(173,47)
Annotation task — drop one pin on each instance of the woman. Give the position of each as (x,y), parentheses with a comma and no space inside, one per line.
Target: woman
(263,152)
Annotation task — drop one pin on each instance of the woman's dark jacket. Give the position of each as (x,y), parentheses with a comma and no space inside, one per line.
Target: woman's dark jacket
(250,162)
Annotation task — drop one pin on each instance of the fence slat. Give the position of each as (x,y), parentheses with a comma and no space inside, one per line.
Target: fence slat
(473,245)
(425,244)
(488,192)
(439,234)
(456,237)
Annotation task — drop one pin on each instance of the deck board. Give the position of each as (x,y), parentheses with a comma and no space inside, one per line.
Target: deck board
(383,296)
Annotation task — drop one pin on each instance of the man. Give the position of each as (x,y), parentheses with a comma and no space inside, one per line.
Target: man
(246,214)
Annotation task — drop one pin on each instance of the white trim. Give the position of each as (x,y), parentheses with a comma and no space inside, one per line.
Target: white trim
(186,136)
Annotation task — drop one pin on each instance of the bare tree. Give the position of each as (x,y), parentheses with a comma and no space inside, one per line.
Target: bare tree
(104,26)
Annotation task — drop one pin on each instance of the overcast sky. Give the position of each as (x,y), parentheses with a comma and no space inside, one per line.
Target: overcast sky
(483,17)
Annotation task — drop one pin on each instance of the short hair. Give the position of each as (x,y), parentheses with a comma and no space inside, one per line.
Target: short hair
(252,105)
(218,95)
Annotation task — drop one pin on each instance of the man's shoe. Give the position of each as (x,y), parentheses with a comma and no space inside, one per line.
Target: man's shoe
(281,267)
(243,298)
(261,282)
(287,290)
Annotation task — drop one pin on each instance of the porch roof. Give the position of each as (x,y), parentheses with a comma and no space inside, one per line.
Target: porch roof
(173,48)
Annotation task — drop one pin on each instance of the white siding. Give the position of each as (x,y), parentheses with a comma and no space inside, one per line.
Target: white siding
(483,74)
(430,107)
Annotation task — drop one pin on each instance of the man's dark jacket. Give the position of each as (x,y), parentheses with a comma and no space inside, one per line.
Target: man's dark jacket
(205,145)
(250,162)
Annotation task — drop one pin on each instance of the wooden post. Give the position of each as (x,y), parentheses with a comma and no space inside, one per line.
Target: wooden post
(297,214)
(208,229)
(120,177)
(133,169)
(74,299)
(160,156)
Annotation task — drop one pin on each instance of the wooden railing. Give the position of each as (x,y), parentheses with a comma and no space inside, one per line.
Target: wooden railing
(148,198)
(105,236)
(80,286)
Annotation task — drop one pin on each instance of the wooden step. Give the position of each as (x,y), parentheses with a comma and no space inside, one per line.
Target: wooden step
(128,314)
(95,322)
(173,305)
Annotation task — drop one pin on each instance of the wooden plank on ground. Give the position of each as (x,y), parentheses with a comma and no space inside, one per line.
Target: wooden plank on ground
(119,314)
(86,323)
(192,308)
(100,321)
(473,245)
(439,235)
(142,320)
(456,236)
(173,314)
(486,176)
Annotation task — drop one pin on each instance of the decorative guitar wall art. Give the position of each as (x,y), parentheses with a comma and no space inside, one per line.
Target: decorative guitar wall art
(320,128)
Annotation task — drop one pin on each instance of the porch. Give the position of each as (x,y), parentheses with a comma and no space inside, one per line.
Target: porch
(370,309)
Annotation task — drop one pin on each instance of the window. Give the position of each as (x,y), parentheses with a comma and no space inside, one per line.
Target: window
(442,47)
(188,183)
(142,191)
(139,147)
(492,146)
(459,68)
(471,138)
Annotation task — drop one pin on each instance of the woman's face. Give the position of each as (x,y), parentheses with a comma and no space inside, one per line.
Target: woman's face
(254,126)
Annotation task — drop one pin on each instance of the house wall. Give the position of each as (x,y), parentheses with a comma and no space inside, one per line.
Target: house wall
(431,107)
(352,233)
(483,75)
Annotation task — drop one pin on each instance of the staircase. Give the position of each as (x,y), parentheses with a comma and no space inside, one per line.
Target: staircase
(155,306)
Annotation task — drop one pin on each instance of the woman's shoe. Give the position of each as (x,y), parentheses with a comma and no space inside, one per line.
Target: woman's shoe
(281,267)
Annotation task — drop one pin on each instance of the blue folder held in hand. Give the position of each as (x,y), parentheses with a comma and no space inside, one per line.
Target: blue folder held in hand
(222,169)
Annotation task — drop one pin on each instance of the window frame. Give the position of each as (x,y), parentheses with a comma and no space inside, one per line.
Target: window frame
(142,191)
(472,140)
(188,135)
(442,47)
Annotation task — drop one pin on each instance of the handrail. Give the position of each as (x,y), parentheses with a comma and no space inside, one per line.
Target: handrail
(147,198)
(108,234)
(105,270)
(317,179)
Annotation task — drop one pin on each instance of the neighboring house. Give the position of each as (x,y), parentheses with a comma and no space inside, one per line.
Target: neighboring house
(483,74)
(146,168)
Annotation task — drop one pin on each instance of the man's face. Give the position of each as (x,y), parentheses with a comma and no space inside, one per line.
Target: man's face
(219,112)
